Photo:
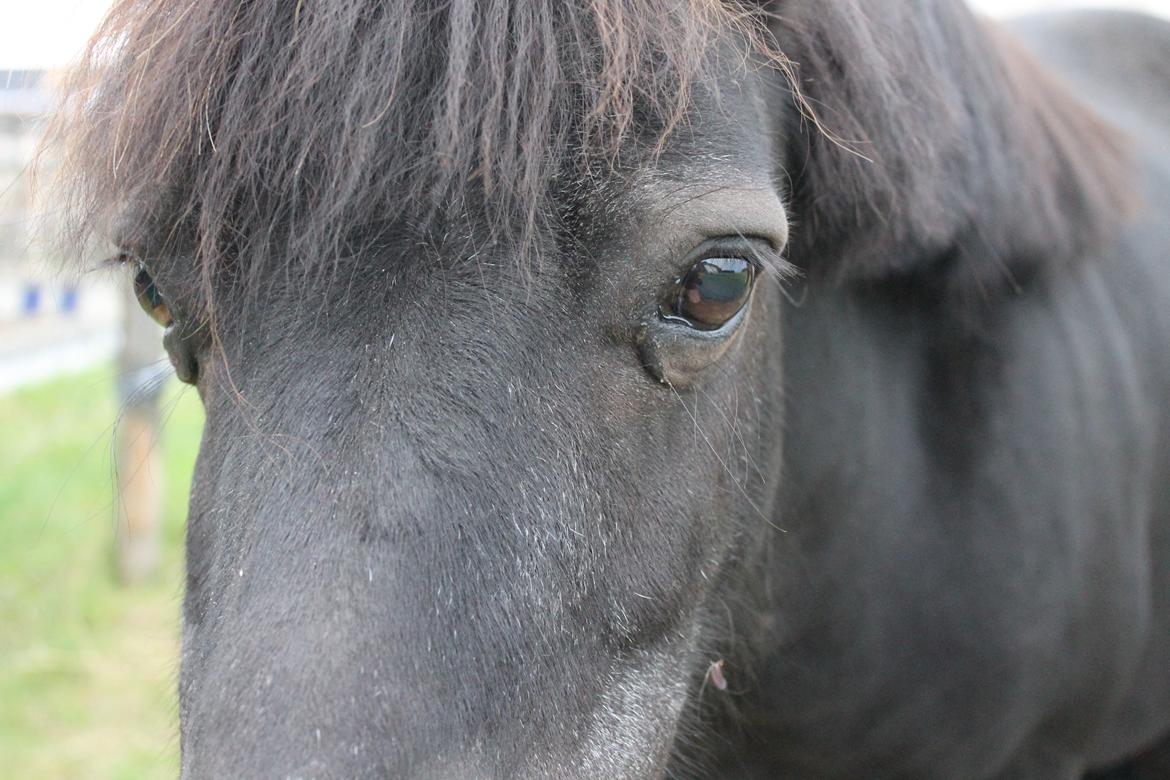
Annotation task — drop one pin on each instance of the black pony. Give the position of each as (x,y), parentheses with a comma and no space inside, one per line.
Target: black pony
(619,388)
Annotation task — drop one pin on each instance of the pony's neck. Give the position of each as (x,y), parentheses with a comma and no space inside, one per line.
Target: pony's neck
(941,144)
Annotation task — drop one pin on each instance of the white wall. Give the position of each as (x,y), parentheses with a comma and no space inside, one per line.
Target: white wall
(1012,7)
(45,33)
(49,33)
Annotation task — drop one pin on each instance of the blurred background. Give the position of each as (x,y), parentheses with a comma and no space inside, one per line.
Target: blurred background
(97,444)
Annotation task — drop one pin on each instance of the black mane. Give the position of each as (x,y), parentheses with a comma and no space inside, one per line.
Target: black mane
(293,128)
(248,130)
(945,140)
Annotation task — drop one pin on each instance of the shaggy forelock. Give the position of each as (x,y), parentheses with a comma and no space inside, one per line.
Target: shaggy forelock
(255,128)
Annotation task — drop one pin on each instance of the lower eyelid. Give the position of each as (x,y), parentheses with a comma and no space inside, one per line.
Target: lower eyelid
(679,355)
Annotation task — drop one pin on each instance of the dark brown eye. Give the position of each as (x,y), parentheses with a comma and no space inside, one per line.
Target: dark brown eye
(713,291)
(150,299)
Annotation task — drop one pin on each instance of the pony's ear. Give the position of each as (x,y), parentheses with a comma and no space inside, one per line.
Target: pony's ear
(925,137)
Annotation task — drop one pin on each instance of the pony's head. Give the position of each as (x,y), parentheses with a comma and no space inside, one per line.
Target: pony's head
(481,298)
(481,301)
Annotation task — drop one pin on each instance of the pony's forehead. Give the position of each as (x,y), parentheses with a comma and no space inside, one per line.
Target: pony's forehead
(715,172)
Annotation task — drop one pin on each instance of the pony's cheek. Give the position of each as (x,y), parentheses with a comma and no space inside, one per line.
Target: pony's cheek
(683,357)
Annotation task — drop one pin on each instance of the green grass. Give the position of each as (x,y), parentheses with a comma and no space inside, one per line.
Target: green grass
(87,667)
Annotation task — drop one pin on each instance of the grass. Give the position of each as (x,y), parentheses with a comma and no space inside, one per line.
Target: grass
(87,667)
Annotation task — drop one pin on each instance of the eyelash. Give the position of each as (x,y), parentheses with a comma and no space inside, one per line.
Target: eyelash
(755,249)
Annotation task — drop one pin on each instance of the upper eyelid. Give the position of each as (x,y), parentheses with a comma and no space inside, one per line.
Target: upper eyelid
(115,260)
(760,250)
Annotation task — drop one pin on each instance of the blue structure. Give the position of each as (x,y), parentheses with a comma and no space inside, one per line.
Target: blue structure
(24,102)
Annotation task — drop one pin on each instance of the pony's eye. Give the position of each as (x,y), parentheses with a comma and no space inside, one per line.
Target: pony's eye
(713,291)
(150,299)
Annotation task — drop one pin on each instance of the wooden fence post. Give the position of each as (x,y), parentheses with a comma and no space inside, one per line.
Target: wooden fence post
(142,373)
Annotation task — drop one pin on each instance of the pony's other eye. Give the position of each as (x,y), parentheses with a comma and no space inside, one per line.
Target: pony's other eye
(150,299)
(713,291)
